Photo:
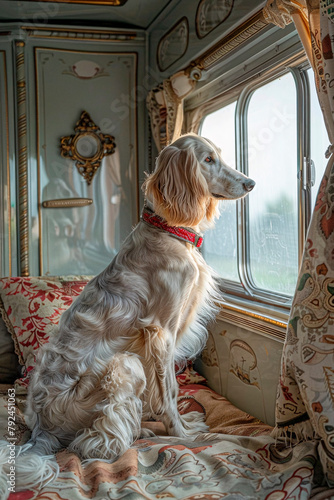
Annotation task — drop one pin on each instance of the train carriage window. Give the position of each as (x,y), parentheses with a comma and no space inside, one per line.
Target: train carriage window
(272,160)
(220,248)
(270,133)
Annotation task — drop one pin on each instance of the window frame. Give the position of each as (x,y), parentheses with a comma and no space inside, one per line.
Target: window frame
(246,290)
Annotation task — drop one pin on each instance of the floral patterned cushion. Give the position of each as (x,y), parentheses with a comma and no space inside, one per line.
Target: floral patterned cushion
(189,376)
(31,309)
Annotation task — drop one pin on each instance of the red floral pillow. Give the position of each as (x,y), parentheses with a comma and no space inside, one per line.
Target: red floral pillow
(31,309)
(189,376)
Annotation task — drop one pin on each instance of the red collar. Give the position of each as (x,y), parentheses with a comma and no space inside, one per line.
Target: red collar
(182,233)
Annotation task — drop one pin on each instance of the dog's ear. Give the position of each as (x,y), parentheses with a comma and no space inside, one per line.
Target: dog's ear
(177,188)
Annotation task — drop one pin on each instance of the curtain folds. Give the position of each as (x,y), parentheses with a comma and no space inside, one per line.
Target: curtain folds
(165,107)
(305,401)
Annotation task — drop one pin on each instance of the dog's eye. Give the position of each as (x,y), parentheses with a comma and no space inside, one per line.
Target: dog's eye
(208,159)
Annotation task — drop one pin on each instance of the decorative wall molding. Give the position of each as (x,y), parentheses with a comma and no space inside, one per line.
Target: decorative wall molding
(85,70)
(243,361)
(237,37)
(210,14)
(81,34)
(87,147)
(173,45)
(111,3)
(22,158)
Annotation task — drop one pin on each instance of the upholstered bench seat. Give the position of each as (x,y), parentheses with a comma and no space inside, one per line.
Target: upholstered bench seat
(238,458)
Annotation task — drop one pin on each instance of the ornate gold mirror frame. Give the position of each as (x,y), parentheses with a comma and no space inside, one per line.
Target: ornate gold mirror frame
(87,147)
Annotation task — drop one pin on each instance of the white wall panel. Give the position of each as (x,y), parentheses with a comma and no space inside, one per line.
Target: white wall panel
(83,240)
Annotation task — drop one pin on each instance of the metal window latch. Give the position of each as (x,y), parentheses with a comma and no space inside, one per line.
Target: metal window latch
(312,167)
(307,175)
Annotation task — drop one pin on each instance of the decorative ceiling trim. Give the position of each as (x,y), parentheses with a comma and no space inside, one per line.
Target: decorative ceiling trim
(211,14)
(113,3)
(173,45)
(237,37)
(80,34)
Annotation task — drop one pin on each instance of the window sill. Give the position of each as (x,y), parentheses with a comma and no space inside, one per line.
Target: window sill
(266,320)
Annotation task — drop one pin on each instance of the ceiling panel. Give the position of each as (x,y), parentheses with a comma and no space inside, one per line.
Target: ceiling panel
(132,14)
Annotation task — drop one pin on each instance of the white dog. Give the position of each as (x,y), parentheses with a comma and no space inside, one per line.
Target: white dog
(111,363)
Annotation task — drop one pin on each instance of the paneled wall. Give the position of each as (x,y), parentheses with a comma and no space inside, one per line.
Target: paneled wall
(242,360)
(4,171)
(82,239)
(8,220)
(58,74)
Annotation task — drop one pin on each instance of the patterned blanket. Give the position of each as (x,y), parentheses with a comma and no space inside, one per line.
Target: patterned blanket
(238,459)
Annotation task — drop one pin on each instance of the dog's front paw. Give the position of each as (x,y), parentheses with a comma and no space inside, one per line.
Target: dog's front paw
(194,423)
(146,433)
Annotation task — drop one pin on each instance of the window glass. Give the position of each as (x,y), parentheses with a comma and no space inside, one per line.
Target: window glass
(272,163)
(220,243)
(271,152)
(319,136)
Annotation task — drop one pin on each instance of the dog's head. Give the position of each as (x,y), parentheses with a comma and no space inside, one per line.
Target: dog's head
(189,179)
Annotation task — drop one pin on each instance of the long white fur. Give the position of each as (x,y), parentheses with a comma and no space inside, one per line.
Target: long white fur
(111,363)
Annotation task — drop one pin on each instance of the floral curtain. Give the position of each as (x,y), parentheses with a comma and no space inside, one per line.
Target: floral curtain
(165,107)
(305,401)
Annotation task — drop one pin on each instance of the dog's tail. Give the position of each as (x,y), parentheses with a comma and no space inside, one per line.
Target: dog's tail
(24,467)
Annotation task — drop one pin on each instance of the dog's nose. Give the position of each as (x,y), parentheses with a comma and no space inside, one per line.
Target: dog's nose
(249,184)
